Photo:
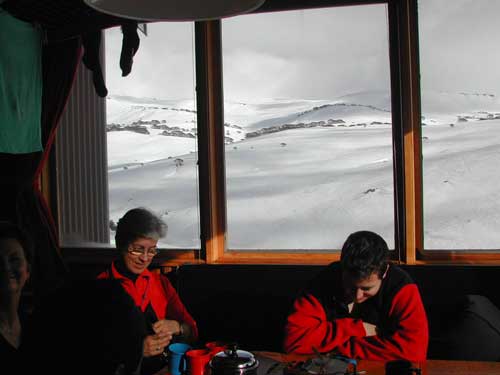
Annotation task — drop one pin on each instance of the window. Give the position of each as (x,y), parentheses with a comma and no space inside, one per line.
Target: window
(151,133)
(460,124)
(305,127)
(307,111)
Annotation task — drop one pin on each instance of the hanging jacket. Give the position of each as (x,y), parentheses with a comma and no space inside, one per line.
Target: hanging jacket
(20,85)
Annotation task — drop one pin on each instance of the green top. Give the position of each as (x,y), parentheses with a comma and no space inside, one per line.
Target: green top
(20,85)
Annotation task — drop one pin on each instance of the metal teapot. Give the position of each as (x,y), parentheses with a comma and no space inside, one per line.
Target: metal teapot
(233,361)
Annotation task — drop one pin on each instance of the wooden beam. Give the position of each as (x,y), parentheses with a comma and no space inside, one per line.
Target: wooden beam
(211,139)
(405,83)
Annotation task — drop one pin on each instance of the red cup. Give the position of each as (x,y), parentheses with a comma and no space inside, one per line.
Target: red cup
(197,361)
(215,347)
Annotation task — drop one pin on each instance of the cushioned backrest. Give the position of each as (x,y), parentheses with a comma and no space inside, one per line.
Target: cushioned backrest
(243,303)
(472,333)
(249,303)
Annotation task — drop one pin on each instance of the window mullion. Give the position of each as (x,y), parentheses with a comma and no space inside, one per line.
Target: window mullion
(407,128)
(211,139)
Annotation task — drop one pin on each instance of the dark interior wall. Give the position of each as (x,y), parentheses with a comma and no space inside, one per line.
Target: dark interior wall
(248,304)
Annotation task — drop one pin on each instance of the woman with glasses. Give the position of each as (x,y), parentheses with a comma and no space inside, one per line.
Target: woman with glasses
(137,235)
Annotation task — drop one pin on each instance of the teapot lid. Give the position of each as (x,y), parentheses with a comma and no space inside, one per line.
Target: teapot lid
(233,358)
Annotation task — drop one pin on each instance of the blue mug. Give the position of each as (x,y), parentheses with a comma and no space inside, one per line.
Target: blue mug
(177,358)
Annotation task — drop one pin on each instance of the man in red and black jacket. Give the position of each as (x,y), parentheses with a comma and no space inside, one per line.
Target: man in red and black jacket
(361,307)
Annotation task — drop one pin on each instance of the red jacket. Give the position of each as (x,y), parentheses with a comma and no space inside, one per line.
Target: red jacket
(320,319)
(156,289)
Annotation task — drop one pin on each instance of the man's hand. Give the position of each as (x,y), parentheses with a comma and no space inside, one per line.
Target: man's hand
(371,329)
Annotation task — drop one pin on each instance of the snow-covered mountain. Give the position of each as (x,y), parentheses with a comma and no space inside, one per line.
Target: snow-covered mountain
(306,173)
(153,120)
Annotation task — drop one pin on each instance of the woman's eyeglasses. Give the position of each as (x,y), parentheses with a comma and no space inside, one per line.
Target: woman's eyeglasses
(140,250)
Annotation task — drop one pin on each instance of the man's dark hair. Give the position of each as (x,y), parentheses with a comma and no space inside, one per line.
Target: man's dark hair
(138,223)
(364,253)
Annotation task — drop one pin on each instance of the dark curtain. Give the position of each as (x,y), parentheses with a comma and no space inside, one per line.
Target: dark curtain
(21,200)
(69,26)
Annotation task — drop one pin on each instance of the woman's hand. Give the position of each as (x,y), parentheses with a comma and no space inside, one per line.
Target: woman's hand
(155,344)
(164,331)
(169,327)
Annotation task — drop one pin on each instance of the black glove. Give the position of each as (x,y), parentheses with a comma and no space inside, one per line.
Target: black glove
(130,45)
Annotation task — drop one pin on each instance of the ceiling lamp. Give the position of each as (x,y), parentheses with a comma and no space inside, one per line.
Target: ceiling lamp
(174,10)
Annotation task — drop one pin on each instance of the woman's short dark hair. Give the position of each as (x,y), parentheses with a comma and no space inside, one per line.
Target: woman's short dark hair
(138,223)
(363,254)
(12,231)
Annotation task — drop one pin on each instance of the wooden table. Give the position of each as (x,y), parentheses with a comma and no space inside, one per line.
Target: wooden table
(429,367)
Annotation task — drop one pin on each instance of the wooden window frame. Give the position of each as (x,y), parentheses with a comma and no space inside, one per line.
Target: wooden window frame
(405,22)
(407,151)
(215,249)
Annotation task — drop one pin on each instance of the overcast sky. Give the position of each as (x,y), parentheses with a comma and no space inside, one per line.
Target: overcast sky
(317,54)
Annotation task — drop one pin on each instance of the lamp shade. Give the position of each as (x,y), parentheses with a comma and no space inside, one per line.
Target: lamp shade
(174,10)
